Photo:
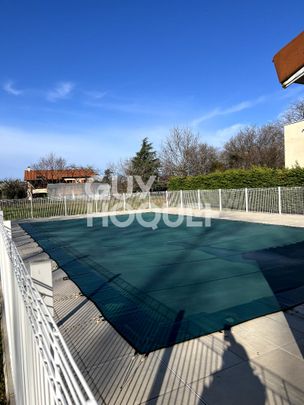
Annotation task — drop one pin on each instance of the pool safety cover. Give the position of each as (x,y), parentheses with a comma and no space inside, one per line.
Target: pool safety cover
(168,285)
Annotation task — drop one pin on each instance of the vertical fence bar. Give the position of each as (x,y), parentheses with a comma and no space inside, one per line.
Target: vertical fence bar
(181,199)
(220,199)
(65,206)
(32,213)
(198,199)
(124,201)
(149,199)
(280,200)
(246,199)
(96,204)
(167,200)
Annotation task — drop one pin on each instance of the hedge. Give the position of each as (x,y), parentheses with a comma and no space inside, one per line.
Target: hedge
(240,178)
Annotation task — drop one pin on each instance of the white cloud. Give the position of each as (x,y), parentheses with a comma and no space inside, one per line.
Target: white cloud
(10,89)
(244,105)
(220,136)
(61,91)
(224,134)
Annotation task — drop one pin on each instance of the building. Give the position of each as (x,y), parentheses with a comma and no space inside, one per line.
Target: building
(289,64)
(294,144)
(38,180)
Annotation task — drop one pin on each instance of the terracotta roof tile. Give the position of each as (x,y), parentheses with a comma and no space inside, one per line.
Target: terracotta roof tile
(290,58)
(57,174)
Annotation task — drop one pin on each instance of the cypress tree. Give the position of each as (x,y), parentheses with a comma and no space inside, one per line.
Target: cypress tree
(145,163)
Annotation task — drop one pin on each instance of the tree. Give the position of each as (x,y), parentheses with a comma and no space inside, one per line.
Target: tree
(270,145)
(240,150)
(116,175)
(108,176)
(182,154)
(13,189)
(75,167)
(208,159)
(294,113)
(50,162)
(144,164)
(255,146)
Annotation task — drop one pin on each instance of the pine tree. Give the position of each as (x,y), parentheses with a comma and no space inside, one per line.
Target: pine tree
(107,176)
(145,163)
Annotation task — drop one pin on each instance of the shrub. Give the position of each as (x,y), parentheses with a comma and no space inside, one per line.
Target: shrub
(256,177)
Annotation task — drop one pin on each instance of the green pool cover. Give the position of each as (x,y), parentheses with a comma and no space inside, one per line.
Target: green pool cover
(164,286)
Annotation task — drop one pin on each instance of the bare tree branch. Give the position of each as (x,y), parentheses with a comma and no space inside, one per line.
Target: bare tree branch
(182,154)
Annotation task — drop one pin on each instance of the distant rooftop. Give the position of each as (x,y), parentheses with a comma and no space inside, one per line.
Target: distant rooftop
(289,62)
(31,175)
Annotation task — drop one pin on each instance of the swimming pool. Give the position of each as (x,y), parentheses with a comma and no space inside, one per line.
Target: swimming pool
(164,286)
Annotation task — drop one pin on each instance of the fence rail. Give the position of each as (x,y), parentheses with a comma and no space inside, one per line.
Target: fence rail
(280,200)
(43,370)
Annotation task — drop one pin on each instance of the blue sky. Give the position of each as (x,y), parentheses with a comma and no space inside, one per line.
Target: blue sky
(89,79)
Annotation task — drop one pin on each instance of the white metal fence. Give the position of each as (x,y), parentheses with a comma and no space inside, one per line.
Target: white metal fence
(280,200)
(43,370)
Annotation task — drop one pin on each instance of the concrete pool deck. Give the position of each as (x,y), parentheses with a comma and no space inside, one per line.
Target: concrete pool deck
(257,362)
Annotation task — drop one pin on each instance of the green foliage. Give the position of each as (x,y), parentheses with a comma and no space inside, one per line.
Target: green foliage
(107,176)
(13,189)
(145,163)
(240,178)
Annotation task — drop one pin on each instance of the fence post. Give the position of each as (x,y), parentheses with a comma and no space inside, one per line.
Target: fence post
(7,226)
(280,200)
(96,204)
(167,200)
(124,201)
(246,199)
(65,206)
(181,198)
(198,199)
(32,213)
(149,198)
(41,273)
(220,199)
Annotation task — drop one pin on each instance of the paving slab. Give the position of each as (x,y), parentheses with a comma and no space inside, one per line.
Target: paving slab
(293,319)
(277,333)
(198,358)
(181,396)
(296,348)
(250,343)
(149,378)
(248,383)
(284,364)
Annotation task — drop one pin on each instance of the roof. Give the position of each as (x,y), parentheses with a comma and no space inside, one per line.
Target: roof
(289,62)
(57,174)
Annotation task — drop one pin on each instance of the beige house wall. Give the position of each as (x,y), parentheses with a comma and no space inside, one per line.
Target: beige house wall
(294,144)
